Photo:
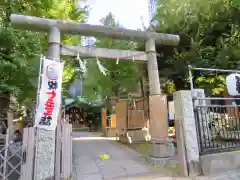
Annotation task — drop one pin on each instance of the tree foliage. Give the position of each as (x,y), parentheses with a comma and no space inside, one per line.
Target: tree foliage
(122,77)
(209,32)
(20,50)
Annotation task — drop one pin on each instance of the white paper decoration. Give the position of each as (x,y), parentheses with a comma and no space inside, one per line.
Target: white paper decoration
(233,84)
(82,65)
(102,69)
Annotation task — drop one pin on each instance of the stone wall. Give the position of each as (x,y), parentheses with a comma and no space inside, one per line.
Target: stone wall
(220,162)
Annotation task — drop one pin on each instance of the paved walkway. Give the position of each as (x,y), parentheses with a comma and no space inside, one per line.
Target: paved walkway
(124,164)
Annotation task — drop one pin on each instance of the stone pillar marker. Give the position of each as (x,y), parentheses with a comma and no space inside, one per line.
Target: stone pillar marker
(186,134)
(159,149)
(45,141)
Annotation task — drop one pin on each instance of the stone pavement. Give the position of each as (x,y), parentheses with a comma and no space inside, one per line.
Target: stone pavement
(124,164)
(232,175)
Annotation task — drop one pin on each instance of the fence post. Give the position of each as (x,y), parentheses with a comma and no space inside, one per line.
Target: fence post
(24,148)
(58,152)
(186,133)
(202,116)
(67,151)
(5,166)
(28,148)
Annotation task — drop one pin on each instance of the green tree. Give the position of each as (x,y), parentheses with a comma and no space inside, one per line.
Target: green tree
(124,74)
(20,50)
(209,32)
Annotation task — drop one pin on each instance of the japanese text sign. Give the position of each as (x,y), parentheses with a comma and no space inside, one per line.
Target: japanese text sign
(50,95)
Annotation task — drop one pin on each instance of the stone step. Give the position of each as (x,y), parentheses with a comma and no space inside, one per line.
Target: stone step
(133,136)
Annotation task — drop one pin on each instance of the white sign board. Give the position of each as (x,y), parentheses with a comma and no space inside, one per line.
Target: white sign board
(233,84)
(171,110)
(50,95)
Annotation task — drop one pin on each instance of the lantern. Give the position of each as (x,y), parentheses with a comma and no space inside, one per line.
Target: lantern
(233,84)
(76,88)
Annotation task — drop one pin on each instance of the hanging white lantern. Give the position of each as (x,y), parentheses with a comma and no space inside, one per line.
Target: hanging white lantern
(233,84)
(76,88)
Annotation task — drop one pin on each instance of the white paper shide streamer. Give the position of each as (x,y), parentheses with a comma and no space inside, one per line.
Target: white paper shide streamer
(82,65)
(102,69)
(50,95)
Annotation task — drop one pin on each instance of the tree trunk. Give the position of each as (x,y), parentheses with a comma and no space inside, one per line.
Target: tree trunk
(142,87)
(4,106)
(144,79)
(115,90)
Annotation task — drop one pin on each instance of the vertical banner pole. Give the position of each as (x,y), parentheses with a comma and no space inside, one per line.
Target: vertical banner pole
(39,83)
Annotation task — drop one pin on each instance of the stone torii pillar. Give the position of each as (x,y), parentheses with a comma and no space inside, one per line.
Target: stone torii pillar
(158,105)
(160,149)
(46,140)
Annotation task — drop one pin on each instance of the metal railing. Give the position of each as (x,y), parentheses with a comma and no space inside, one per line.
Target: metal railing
(10,159)
(218,127)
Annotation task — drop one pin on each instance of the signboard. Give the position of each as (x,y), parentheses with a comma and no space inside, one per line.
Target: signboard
(233,84)
(171,110)
(50,95)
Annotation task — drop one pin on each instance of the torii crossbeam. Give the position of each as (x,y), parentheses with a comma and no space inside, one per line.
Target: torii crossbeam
(157,101)
(41,24)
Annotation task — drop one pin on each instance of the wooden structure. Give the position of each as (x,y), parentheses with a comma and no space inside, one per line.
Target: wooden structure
(129,115)
(75,115)
(27,167)
(65,152)
(232,113)
(104,119)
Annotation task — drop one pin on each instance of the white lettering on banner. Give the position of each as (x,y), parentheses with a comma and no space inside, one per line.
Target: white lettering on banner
(50,95)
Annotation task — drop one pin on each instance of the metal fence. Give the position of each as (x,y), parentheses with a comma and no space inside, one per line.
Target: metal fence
(17,158)
(218,127)
(11,158)
(217,119)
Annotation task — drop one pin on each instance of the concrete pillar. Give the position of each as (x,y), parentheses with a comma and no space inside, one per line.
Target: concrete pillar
(186,134)
(160,148)
(45,142)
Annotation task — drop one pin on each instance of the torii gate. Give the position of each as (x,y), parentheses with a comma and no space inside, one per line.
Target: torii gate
(157,100)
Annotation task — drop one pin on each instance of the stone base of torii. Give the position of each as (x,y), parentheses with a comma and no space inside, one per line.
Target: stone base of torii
(160,149)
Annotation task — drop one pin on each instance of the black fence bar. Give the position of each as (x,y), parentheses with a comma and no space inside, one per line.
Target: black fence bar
(218,127)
